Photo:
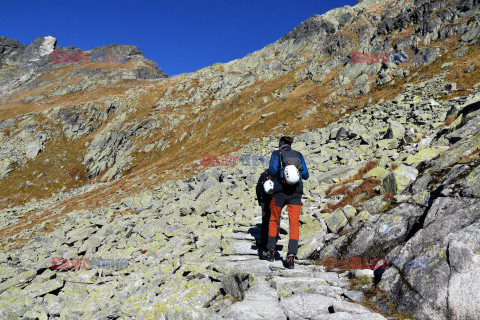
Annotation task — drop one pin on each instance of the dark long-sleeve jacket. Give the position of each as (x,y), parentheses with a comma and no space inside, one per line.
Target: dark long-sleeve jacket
(261,195)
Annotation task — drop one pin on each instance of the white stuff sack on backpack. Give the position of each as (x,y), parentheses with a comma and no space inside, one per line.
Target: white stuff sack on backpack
(268,187)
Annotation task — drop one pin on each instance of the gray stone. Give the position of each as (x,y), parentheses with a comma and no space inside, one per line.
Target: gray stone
(375,205)
(349,211)
(242,248)
(460,52)
(5,168)
(447,65)
(471,68)
(399,179)
(471,184)
(425,155)
(470,128)
(255,267)
(304,285)
(362,273)
(236,284)
(395,130)
(349,316)
(447,244)
(361,80)
(20,279)
(336,220)
(356,296)
(254,305)
(41,288)
(309,306)
(381,233)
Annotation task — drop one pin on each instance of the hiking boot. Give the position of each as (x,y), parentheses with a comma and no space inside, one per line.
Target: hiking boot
(263,254)
(270,256)
(290,263)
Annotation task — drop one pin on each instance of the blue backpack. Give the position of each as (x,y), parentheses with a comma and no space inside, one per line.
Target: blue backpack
(289,157)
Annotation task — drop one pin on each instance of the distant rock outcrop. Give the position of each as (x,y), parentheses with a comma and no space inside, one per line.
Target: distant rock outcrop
(29,62)
(9,48)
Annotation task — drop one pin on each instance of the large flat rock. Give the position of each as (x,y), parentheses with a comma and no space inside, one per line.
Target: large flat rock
(309,306)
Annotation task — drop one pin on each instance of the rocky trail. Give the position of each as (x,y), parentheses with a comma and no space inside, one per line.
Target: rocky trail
(229,283)
(270,291)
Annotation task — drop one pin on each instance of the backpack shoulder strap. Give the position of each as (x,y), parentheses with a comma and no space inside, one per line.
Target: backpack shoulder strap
(281,160)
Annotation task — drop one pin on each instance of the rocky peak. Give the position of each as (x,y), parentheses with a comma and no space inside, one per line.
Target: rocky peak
(39,48)
(310,27)
(10,47)
(132,52)
(19,54)
(29,62)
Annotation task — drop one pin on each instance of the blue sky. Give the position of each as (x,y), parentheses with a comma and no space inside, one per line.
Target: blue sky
(181,36)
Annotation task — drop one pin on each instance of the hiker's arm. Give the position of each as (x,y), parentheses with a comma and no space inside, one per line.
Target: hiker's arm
(259,190)
(274,163)
(305,174)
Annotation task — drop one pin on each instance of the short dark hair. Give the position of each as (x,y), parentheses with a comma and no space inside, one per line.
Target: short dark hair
(287,140)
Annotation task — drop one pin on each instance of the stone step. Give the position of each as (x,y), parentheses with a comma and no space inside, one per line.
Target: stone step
(243,236)
(257,267)
(230,258)
(241,247)
(307,285)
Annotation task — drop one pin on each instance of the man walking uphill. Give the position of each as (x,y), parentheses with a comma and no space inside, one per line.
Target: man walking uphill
(288,168)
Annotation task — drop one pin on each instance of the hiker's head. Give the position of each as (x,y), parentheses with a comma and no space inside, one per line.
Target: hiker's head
(285,140)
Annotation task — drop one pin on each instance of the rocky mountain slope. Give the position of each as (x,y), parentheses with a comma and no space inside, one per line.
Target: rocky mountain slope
(109,212)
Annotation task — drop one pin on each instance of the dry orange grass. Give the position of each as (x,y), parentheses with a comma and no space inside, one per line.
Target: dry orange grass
(379,7)
(55,168)
(366,187)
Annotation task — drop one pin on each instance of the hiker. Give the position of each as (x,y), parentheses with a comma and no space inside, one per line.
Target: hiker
(288,168)
(264,190)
